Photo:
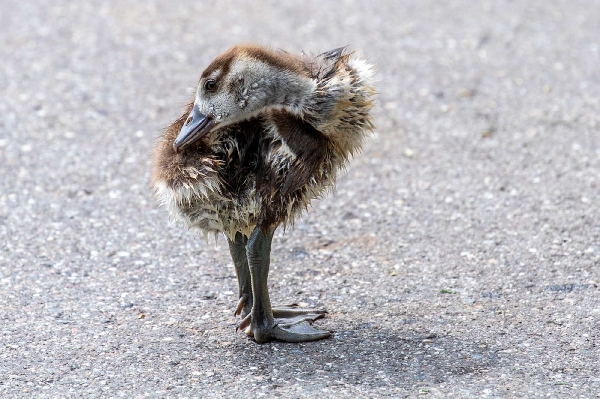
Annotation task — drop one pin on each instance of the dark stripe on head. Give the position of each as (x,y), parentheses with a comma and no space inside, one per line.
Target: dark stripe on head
(222,62)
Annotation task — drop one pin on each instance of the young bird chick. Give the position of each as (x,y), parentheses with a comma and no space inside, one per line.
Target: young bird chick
(266,133)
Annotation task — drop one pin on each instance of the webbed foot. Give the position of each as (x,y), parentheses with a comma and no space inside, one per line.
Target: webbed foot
(290,324)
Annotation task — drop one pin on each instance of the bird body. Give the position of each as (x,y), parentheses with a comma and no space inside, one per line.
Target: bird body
(267,132)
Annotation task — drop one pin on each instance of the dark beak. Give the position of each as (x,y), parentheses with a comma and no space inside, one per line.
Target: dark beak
(196,126)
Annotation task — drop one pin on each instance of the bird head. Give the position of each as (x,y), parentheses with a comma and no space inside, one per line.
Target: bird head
(240,84)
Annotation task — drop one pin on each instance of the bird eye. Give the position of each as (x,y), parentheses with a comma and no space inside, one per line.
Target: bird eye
(209,85)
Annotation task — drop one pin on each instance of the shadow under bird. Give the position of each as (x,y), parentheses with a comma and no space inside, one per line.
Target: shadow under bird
(266,133)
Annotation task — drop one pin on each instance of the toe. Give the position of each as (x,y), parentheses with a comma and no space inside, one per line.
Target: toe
(301,332)
(240,305)
(245,322)
(292,311)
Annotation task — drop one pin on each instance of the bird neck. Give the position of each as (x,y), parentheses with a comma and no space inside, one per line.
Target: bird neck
(291,92)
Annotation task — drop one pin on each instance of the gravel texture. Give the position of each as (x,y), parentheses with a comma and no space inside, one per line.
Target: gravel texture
(459,257)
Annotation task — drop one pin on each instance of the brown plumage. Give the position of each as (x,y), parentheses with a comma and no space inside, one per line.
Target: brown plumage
(266,133)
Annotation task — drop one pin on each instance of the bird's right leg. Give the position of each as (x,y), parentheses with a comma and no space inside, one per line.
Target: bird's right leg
(237,248)
(265,323)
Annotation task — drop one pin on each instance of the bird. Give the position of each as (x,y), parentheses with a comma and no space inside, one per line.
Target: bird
(266,133)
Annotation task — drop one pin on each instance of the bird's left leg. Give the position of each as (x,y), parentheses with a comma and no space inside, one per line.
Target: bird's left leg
(237,248)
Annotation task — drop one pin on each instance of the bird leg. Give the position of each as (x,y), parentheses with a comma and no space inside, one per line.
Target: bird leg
(237,248)
(265,323)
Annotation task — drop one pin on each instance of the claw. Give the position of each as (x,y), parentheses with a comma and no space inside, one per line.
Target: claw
(240,305)
(245,322)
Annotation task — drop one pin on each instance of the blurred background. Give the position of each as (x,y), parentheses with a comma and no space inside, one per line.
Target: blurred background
(459,256)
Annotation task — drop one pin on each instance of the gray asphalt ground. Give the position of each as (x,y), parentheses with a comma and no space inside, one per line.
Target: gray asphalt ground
(459,257)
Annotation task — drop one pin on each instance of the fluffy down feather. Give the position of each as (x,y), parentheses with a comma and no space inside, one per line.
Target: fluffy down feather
(266,167)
